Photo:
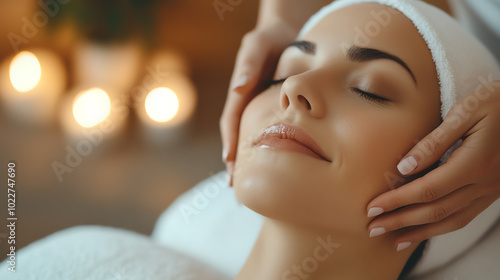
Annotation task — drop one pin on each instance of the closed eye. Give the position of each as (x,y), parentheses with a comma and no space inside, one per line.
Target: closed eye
(275,82)
(370,96)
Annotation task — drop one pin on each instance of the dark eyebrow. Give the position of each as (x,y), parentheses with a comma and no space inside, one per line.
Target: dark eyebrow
(359,54)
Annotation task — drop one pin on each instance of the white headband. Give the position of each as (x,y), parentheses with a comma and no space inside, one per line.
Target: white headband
(463,66)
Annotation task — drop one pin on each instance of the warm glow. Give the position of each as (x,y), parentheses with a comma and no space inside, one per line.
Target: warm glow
(91,107)
(162,104)
(25,71)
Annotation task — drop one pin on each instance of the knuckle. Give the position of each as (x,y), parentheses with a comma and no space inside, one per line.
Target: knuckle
(431,146)
(247,45)
(223,122)
(397,201)
(438,213)
(453,110)
(430,193)
(398,223)
(248,37)
(253,37)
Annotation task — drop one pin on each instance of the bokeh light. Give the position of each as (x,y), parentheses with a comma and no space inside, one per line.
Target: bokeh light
(91,107)
(25,71)
(162,104)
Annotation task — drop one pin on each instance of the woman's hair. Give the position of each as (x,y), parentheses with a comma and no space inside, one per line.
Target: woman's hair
(413,260)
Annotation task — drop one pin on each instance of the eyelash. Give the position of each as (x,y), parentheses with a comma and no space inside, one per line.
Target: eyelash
(363,94)
(275,82)
(370,96)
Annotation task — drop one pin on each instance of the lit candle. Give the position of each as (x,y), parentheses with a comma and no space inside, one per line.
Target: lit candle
(165,110)
(31,83)
(92,115)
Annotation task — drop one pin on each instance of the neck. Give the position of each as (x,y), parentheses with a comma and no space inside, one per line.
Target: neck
(289,252)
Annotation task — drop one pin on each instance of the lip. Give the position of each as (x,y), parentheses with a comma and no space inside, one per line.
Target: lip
(281,136)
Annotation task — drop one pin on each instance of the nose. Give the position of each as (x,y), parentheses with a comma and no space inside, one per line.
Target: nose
(300,93)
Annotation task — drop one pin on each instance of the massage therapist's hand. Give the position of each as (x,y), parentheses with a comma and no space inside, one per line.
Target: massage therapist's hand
(449,197)
(278,25)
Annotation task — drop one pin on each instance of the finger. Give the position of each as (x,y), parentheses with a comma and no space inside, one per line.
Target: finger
(419,214)
(246,62)
(230,122)
(252,68)
(249,70)
(432,147)
(435,184)
(454,222)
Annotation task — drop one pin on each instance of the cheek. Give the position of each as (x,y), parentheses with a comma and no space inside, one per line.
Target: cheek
(371,142)
(369,150)
(279,185)
(258,114)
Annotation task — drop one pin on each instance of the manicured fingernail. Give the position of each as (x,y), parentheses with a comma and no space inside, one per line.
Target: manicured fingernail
(407,165)
(241,81)
(403,245)
(375,211)
(377,231)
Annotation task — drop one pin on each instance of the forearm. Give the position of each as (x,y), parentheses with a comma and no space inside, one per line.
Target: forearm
(292,12)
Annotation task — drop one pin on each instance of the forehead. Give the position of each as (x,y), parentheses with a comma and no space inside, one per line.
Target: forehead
(368,25)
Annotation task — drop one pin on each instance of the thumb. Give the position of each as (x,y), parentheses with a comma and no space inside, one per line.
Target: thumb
(433,146)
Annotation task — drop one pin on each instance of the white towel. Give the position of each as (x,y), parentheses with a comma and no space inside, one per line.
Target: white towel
(103,253)
(463,66)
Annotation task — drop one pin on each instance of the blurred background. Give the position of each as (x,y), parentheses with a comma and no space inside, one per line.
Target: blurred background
(110,109)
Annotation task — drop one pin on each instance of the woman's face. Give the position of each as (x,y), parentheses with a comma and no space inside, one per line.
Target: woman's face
(363,48)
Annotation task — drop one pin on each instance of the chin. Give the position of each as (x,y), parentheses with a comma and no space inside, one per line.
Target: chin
(281,185)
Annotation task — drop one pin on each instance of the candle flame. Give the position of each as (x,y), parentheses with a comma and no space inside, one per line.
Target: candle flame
(162,104)
(91,107)
(25,71)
